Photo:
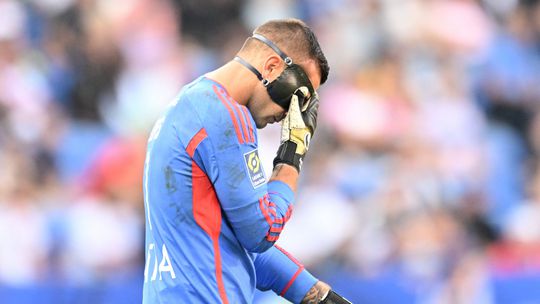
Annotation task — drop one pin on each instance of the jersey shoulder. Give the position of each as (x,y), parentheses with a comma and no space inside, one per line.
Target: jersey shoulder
(225,120)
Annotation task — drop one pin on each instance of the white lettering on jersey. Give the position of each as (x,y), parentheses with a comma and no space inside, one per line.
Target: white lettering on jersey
(147,265)
(164,265)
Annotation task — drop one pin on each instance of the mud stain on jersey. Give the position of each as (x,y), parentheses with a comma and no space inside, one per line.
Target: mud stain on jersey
(170,180)
(179,215)
(228,141)
(236,175)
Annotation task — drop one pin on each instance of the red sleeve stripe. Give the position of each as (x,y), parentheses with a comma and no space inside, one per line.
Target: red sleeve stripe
(265,211)
(275,222)
(289,256)
(195,141)
(272,238)
(239,114)
(291,281)
(242,117)
(219,93)
(274,232)
(276,229)
(250,126)
(289,213)
(242,120)
(271,208)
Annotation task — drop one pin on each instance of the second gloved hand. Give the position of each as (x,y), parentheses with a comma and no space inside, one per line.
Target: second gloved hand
(297,128)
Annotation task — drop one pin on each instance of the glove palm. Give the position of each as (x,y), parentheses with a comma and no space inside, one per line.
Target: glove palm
(297,128)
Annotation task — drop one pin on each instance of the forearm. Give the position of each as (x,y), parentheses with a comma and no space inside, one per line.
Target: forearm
(279,271)
(287,174)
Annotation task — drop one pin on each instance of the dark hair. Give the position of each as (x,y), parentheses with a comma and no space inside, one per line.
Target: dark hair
(296,39)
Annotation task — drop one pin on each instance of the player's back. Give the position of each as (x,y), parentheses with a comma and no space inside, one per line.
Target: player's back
(192,254)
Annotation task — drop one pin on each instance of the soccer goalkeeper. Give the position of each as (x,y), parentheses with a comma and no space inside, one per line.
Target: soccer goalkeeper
(212,219)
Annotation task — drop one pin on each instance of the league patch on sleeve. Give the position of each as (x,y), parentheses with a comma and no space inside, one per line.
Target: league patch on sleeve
(255,169)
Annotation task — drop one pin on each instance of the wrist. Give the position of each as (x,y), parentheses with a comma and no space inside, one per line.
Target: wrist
(317,293)
(287,154)
(332,297)
(286,174)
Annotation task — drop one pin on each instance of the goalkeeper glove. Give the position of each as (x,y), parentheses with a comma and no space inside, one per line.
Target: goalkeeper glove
(297,128)
(333,298)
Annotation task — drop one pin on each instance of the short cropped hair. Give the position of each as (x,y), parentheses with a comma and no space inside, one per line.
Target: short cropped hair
(294,38)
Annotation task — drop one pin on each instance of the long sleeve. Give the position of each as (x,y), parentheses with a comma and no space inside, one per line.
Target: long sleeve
(256,210)
(277,270)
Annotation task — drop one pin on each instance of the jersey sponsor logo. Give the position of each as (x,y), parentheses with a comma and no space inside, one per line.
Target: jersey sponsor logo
(256,172)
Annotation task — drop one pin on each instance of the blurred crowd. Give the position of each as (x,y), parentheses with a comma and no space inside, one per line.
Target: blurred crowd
(422,184)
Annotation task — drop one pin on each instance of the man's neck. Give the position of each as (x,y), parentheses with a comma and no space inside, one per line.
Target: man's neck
(237,80)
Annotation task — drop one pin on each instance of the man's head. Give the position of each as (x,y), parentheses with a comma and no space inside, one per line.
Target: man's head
(294,38)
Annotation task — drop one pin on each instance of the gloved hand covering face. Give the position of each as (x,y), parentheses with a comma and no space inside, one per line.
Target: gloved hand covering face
(297,128)
(281,90)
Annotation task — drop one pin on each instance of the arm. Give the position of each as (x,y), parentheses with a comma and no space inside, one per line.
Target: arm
(278,271)
(287,174)
(256,211)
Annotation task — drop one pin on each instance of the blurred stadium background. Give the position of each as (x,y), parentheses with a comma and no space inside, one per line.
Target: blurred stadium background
(422,186)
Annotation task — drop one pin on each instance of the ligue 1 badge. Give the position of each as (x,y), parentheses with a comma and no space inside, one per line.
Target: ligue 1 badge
(256,172)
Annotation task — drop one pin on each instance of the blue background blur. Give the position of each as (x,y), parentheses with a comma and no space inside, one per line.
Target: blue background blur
(422,184)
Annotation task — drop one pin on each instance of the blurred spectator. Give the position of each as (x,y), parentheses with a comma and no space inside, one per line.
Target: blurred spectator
(23,224)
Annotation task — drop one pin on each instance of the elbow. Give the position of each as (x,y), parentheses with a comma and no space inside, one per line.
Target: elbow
(262,246)
(256,245)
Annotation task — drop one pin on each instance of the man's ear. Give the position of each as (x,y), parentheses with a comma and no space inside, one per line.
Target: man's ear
(273,65)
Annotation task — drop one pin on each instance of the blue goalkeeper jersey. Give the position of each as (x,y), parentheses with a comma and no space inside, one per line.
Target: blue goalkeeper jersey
(211,217)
